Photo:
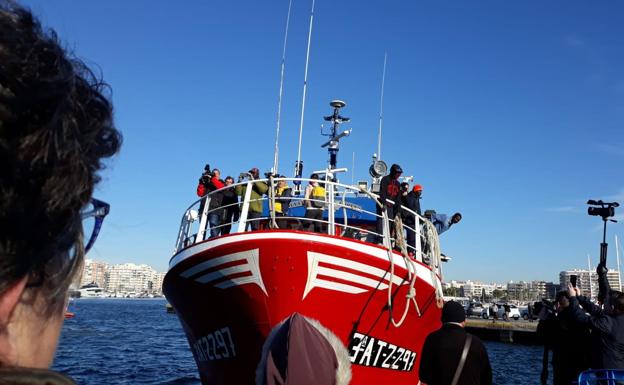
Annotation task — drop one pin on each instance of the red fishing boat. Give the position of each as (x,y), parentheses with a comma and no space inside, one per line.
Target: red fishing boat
(285,304)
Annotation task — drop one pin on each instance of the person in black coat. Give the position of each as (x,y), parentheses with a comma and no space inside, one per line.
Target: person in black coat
(389,190)
(231,210)
(443,349)
(607,323)
(570,343)
(411,200)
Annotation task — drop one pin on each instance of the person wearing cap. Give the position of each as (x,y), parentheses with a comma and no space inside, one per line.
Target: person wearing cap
(441,359)
(255,202)
(389,197)
(411,200)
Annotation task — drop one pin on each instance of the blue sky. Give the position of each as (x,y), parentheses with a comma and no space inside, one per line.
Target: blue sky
(509,112)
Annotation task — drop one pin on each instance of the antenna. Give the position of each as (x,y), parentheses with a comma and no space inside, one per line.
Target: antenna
(299,164)
(383,82)
(281,88)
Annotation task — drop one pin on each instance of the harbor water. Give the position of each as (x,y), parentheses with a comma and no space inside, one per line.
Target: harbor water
(135,341)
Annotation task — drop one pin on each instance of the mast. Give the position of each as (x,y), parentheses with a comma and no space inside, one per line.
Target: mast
(281,89)
(383,81)
(299,164)
(333,143)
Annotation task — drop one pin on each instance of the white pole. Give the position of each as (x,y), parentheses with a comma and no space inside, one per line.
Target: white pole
(383,81)
(281,88)
(617,254)
(591,291)
(305,84)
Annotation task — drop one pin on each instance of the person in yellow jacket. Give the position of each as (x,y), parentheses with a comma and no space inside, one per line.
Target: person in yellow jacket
(283,194)
(314,202)
(255,201)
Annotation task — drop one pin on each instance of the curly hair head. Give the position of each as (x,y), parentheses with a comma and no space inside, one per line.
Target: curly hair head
(55,127)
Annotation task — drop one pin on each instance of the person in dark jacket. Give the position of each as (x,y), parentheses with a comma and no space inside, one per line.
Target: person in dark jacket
(231,211)
(570,344)
(443,349)
(411,200)
(607,323)
(389,197)
(56,129)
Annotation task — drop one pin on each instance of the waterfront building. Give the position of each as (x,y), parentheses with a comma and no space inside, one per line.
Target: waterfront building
(477,289)
(94,271)
(551,290)
(133,278)
(518,290)
(587,281)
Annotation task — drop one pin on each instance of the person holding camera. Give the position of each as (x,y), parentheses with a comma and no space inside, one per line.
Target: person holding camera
(314,201)
(607,323)
(570,342)
(258,189)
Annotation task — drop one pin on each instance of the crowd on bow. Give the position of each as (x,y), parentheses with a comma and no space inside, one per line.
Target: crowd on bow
(224,207)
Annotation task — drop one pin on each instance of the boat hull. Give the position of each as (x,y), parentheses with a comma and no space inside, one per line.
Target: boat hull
(230,292)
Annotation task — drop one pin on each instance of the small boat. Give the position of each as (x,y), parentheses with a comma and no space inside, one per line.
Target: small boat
(91,290)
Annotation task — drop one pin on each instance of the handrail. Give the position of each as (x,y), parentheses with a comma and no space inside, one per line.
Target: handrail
(194,228)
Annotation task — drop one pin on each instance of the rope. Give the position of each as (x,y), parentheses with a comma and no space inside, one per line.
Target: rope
(434,259)
(409,264)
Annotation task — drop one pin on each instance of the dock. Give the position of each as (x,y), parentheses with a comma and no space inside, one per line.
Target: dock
(522,332)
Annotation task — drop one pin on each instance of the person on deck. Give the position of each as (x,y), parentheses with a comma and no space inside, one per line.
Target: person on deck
(283,194)
(389,198)
(56,127)
(411,200)
(442,222)
(215,212)
(231,210)
(442,353)
(314,202)
(255,202)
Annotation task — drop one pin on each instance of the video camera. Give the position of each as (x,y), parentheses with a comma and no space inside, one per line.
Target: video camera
(206,175)
(606,209)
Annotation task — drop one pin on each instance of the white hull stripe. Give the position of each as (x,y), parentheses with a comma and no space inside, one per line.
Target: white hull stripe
(423,272)
(251,265)
(315,270)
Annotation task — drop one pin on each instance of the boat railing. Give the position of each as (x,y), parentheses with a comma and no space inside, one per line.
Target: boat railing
(409,232)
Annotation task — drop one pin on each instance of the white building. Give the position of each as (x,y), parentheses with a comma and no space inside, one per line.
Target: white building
(94,271)
(132,278)
(477,289)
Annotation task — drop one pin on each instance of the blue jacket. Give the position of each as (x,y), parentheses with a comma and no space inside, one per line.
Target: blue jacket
(442,222)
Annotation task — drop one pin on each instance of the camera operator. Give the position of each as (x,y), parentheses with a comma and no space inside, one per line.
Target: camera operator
(546,331)
(607,324)
(209,182)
